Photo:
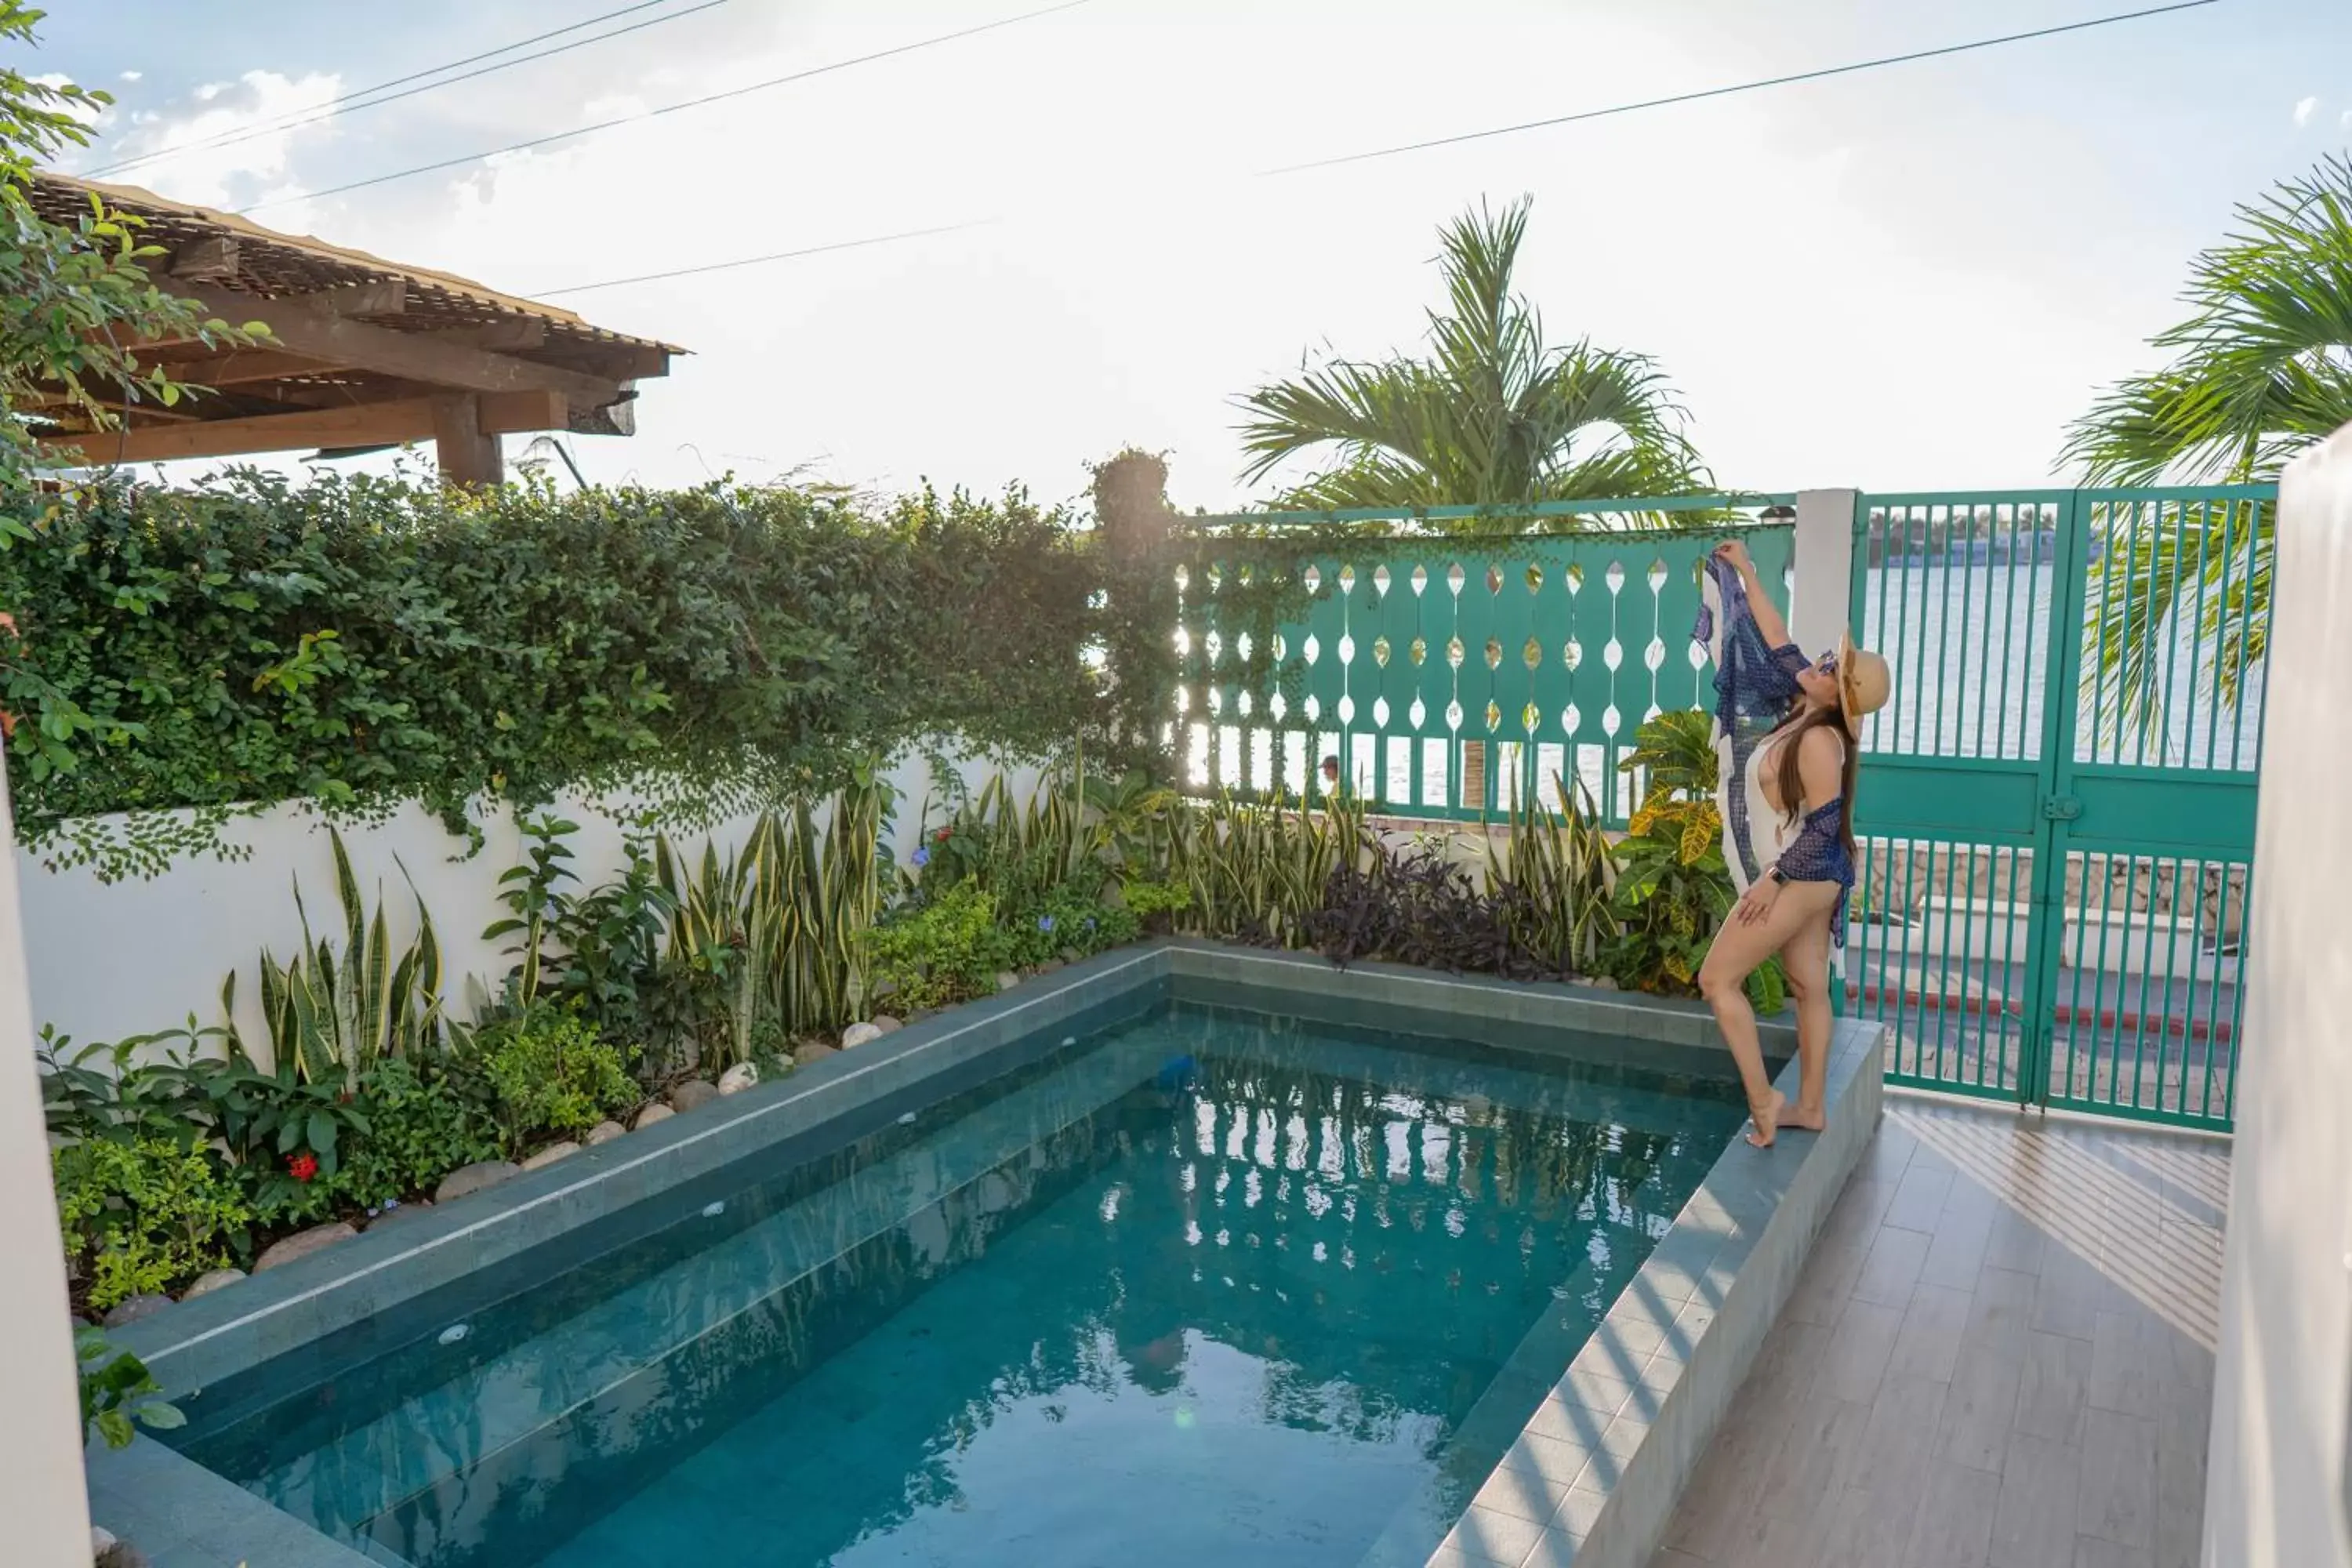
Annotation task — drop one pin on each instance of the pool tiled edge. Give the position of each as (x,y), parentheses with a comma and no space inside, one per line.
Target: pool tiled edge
(1593,1478)
(1665,1363)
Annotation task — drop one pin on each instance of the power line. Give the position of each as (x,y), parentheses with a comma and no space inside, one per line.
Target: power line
(349,104)
(776,256)
(1391,151)
(643,115)
(1735,88)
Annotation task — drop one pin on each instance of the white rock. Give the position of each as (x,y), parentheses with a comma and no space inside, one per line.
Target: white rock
(886,1024)
(1007,981)
(605,1133)
(738,1078)
(692,1095)
(473,1178)
(304,1243)
(552,1154)
(652,1115)
(858,1035)
(101,1542)
(207,1283)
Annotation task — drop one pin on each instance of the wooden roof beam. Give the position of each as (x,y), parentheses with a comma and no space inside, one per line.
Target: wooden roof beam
(362,424)
(415,356)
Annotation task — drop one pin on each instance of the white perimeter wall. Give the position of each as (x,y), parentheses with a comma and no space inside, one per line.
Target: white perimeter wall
(136,956)
(2278,1492)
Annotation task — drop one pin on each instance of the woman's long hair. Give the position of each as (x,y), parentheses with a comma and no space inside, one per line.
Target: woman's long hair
(1789,738)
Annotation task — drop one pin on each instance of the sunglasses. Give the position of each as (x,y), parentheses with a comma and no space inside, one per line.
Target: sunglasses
(1828,665)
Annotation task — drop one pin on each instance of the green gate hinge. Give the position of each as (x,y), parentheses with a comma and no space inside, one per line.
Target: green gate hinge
(2061,807)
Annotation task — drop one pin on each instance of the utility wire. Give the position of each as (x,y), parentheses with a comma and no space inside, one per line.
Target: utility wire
(1735,88)
(647,114)
(1418,146)
(775,256)
(349,104)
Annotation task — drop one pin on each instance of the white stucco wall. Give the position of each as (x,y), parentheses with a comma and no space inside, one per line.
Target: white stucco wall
(109,960)
(2277,1491)
(41,1491)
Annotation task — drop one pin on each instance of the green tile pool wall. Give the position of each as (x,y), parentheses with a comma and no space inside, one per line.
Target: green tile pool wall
(1605,1026)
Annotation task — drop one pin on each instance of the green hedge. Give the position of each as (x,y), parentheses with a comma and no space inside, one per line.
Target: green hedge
(360,642)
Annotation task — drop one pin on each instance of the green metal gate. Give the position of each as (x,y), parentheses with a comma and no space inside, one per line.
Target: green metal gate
(2057,806)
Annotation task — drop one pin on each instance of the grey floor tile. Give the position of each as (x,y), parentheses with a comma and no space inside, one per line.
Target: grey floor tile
(1867,1529)
(1898,1446)
(1862,1342)
(1935,1327)
(1981,1410)
(2002,1313)
(2090,1552)
(2118,1485)
(2071,1292)
(2033,1526)
(1817,1458)
(1826,1281)
(1891,1271)
(1957,1255)
(1919,1200)
(2051,1386)
(2130,1362)
(1954,1528)
(2015,1242)
(1668,1557)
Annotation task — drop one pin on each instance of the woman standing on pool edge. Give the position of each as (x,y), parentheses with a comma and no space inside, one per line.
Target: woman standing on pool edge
(1787,738)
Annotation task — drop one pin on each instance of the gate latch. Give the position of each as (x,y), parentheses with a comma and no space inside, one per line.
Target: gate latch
(2061,807)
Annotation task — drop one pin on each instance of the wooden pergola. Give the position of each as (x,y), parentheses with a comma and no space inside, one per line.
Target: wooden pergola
(368,354)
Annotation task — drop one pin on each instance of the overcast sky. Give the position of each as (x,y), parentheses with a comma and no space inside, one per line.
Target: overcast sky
(1904,278)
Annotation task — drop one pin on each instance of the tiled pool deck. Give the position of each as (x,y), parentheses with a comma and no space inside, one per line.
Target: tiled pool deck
(2000,1355)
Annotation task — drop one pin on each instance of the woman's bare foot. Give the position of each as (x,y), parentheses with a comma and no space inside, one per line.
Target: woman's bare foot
(1812,1121)
(1768,1119)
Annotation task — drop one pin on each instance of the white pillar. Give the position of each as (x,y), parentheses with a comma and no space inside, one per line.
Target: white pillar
(42,1494)
(2279,1477)
(1819,604)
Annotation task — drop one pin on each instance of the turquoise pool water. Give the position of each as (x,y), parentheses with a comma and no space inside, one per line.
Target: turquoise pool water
(1204,1286)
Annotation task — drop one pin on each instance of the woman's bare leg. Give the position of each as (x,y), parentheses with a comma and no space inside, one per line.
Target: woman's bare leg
(1806,958)
(1737,951)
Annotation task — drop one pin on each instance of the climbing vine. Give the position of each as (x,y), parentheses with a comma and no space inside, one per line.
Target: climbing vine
(355,643)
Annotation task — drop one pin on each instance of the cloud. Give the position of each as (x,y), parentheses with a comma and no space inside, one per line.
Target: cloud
(133,76)
(243,171)
(2306,109)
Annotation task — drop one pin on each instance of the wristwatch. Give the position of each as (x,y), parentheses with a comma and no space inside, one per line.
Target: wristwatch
(1777,875)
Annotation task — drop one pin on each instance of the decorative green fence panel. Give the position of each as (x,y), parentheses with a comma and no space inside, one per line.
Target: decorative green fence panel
(1447,672)
(2057,806)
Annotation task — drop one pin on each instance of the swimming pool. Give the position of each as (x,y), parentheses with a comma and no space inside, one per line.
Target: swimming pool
(1188,1282)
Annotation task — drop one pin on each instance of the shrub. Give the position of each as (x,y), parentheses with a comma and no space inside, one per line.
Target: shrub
(146,1214)
(944,950)
(115,1390)
(420,1129)
(357,642)
(551,1071)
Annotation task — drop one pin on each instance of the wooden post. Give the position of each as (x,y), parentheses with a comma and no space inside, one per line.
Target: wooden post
(469,454)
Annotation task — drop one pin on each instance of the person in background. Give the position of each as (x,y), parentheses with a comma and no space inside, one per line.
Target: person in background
(1330,776)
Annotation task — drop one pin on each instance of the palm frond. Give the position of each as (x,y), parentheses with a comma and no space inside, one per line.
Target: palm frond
(1492,415)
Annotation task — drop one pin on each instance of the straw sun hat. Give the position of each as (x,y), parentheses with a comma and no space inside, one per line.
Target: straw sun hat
(1863,681)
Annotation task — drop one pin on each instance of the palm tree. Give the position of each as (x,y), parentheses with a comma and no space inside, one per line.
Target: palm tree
(1492,415)
(2263,369)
